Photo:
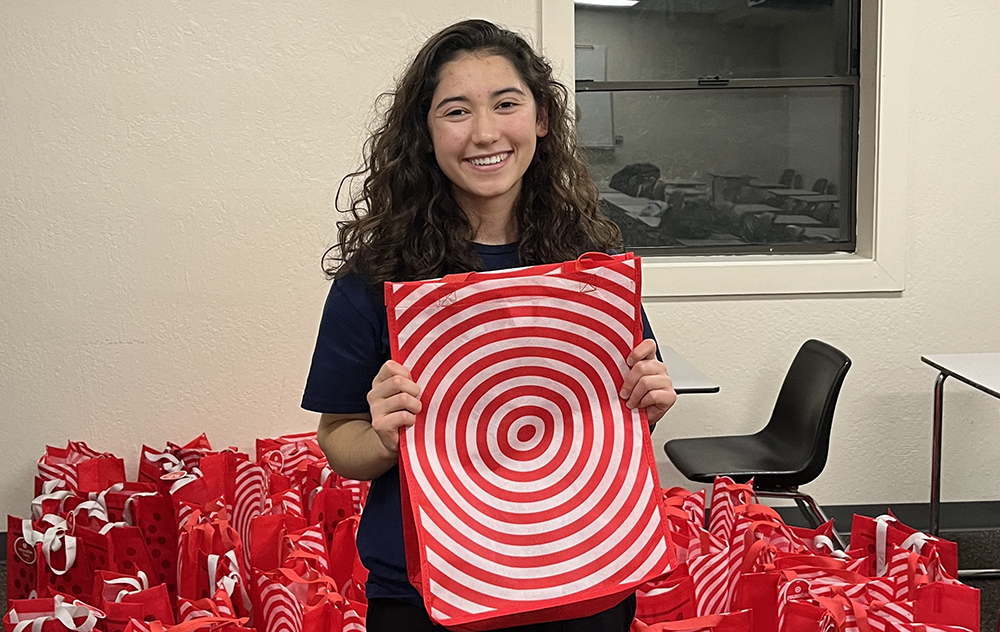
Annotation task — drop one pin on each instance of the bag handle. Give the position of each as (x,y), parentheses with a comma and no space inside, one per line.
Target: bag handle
(881,532)
(580,263)
(841,600)
(849,577)
(195,624)
(299,579)
(697,623)
(138,583)
(65,613)
(52,540)
(52,494)
(752,555)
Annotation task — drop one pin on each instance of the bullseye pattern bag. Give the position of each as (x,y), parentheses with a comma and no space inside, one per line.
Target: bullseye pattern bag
(529,488)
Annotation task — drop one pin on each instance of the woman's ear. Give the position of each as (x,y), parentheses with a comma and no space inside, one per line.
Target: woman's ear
(542,121)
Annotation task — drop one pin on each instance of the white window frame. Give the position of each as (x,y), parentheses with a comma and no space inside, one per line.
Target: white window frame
(878,263)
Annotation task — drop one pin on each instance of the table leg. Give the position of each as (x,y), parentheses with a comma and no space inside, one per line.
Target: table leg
(936,456)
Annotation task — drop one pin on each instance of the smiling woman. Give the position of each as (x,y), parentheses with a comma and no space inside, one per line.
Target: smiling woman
(484,125)
(408,197)
(474,167)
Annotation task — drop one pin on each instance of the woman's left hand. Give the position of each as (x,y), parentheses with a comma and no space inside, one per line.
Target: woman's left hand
(647,384)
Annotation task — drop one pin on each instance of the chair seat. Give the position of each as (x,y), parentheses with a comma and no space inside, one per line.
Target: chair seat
(739,457)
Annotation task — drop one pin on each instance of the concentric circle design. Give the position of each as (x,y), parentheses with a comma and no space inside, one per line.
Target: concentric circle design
(531,484)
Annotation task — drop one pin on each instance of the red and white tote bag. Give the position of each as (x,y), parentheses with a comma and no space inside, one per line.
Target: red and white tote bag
(529,488)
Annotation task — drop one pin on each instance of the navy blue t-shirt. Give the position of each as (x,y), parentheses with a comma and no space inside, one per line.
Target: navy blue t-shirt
(352,345)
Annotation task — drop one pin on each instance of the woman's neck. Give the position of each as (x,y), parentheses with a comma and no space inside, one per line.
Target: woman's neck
(491,235)
(494,226)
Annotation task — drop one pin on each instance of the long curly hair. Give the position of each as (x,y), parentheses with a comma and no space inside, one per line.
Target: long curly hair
(405,223)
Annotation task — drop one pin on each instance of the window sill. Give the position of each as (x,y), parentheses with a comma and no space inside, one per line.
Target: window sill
(689,277)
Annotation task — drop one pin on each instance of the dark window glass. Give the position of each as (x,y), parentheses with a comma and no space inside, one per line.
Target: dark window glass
(659,40)
(736,170)
(722,126)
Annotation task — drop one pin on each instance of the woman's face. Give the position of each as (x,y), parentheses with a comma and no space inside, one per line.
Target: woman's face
(484,125)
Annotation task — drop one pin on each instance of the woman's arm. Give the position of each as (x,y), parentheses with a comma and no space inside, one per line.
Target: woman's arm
(364,446)
(353,448)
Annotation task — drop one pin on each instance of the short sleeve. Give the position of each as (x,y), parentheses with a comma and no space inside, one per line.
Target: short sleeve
(351,346)
(647,332)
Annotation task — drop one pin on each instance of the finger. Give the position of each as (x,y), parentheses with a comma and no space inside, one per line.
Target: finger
(390,369)
(644,350)
(389,423)
(660,399)
(642,368)
(398,402)
(391,387)
(645,385)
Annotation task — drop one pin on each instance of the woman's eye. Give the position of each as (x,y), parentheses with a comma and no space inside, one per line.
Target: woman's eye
(506,105)
(454,113)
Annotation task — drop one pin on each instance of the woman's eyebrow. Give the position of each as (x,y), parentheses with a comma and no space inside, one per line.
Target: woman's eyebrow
(503,91)
(465,99)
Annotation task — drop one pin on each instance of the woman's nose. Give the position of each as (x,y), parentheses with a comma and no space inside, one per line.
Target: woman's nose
(485,130)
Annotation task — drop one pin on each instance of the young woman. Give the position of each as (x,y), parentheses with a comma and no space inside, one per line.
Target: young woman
(473,168)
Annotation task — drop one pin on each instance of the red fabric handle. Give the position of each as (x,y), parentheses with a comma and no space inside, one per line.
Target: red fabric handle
(578,264)
(298,579)
(698,623)
(195,624)
(752,555)
(461,277)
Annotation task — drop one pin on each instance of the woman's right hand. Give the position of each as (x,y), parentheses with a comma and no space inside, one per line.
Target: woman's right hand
(394,404)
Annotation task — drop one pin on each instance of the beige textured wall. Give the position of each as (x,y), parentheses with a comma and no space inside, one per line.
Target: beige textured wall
(167,171)
(166,178)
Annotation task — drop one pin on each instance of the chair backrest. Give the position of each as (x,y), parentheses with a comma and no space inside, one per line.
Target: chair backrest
(803,412)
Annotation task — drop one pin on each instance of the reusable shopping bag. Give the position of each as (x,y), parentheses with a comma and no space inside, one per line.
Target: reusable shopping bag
(124,597)
(50,614)
(529,488)
(83,468)
(740,621)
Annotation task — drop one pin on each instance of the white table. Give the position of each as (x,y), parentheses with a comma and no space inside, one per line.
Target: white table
(816,198)
(801,220)
(686,377)
(981,371)
(740,209)
(632,206)
(793,192)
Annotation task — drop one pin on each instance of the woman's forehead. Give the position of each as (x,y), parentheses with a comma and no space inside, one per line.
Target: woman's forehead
(477,72)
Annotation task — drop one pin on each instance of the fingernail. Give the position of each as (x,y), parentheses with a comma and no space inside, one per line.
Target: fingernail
(622,393)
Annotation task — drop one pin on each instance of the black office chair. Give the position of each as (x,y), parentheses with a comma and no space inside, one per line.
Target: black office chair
(791,449)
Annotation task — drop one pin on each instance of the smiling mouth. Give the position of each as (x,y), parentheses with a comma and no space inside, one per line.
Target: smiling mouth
(490,160)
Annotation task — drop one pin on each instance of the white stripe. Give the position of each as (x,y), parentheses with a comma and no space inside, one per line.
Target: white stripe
(423,290)
(461,603)
(433,417)
(497,567)
(511,593)
(645,571)
(540,527)
(544,304)
(493,424)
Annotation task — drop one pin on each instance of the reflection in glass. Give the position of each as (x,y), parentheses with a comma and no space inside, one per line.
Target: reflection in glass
(729,168)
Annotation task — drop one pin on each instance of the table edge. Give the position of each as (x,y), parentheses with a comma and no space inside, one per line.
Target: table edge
(959,377)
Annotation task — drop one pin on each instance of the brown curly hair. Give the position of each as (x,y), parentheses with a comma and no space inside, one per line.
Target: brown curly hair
(406,224)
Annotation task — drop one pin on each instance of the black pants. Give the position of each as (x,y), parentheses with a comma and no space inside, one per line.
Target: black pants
(392,615)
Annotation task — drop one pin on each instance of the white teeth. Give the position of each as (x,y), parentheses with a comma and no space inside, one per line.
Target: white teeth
(491,160)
